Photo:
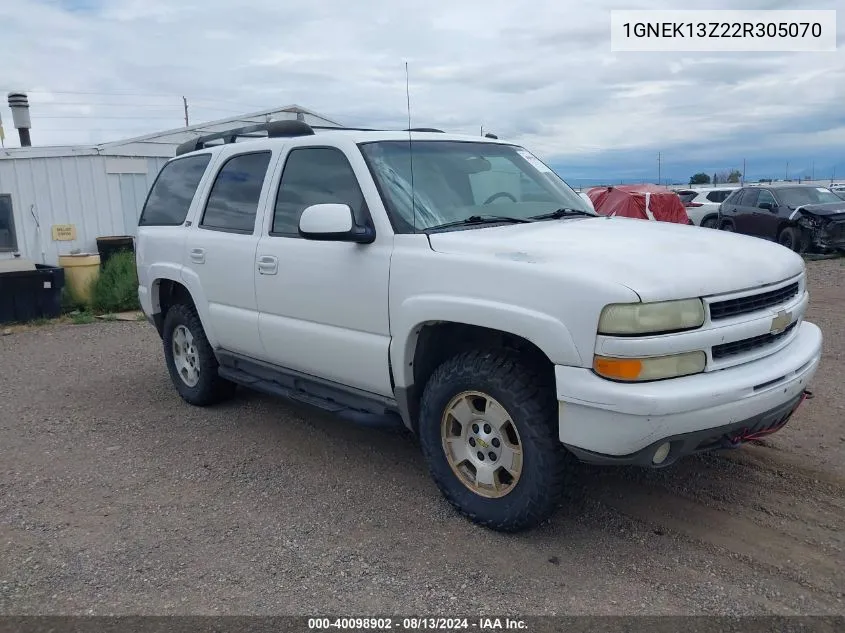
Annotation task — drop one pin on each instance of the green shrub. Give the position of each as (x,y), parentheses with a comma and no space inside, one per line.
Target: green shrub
(116,289)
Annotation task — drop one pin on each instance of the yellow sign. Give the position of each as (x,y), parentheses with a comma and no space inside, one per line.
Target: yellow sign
(64,232)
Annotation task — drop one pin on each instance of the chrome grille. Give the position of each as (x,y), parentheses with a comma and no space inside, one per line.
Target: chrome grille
(744,305)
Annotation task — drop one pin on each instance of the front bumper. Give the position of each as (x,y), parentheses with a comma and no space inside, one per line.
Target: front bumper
(608,422)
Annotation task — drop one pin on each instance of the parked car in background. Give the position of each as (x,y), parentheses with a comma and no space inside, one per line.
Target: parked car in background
(644,202)
(702,204)
(800,217)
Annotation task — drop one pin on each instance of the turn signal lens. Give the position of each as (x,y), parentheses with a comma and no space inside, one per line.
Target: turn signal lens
(654,368)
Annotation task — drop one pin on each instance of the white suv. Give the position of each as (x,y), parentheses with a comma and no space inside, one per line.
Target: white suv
(703,204)
(458,285)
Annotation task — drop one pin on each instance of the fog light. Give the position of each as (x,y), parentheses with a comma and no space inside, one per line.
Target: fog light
(661,453)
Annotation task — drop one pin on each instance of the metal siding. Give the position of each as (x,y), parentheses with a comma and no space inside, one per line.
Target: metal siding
(72,190)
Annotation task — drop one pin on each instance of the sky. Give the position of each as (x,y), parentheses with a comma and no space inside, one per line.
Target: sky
(538,72)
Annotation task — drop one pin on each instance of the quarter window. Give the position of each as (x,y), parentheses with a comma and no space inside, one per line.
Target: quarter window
(173,190)
(315,175)
(233,202)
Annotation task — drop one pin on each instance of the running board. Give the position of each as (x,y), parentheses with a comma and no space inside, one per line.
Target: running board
(350,404)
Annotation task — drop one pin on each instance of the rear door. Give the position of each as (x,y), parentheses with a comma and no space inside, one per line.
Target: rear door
(221,247)
(744,211)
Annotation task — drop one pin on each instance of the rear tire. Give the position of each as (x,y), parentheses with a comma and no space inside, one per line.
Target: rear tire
(526,484)
(190,359)
(710,223)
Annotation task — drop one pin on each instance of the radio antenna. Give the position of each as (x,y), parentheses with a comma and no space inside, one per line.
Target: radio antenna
(410,147)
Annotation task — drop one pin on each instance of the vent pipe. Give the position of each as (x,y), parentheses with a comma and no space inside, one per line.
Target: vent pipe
(19,105)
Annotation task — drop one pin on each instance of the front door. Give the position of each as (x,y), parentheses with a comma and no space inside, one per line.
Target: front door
(766,221)
(221,250)
(323,305)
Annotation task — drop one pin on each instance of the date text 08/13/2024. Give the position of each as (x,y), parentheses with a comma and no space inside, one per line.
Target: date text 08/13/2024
(417,624)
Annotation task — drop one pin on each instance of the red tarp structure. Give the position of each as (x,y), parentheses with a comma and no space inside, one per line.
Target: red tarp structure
(645,202)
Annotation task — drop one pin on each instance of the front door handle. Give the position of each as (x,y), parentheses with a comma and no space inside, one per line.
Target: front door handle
(198,255)
(268,265)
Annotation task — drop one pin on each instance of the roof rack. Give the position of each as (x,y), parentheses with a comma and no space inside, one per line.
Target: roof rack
(286,128)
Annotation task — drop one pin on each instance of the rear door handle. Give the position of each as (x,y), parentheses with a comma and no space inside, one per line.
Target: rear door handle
(268,265)
(198,255)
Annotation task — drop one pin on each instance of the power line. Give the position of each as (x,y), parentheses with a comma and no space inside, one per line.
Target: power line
(98,116)
(127,94)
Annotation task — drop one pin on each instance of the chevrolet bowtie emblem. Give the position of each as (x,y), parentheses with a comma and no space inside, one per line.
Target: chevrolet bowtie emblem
(781,322)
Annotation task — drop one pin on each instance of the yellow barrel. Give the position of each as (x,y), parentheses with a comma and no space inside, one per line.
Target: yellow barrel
(81,271)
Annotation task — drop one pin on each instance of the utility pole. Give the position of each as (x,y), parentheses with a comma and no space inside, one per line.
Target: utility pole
(787,171)
(659,166)
(185,105)
(742,176)
(482,131)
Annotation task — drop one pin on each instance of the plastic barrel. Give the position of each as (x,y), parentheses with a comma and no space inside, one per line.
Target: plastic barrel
(81,271)
(111,244)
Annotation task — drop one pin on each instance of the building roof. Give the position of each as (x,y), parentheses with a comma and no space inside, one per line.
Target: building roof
(165,143)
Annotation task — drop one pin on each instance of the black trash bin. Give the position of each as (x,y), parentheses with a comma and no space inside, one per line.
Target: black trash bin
(31,294)
(112,244)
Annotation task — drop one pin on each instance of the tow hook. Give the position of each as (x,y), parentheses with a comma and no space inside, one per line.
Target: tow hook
(808,395)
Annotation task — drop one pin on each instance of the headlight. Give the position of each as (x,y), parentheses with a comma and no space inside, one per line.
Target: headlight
(655,368)
(651,318)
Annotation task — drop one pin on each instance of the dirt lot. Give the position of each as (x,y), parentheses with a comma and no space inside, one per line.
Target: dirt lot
(116,497)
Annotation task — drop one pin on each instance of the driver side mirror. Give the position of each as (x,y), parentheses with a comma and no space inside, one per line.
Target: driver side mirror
(768,206)
(333,223)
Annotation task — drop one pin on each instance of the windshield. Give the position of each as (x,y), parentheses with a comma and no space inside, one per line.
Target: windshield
(455,180)
(798,196)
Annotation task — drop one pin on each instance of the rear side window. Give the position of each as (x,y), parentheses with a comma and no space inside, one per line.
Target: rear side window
(687,196)
(233,202)
(315,175)
(172,192)
(718,196)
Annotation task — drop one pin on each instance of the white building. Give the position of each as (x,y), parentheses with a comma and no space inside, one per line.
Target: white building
(58,200)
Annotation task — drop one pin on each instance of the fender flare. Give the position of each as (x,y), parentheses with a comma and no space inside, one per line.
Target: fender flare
(189,280)
(549,334)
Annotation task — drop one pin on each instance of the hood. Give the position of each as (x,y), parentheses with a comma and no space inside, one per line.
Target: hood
(824,210)
(657,260)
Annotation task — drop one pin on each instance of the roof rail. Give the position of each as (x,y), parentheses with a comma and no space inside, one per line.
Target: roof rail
(285,128)
(423,129)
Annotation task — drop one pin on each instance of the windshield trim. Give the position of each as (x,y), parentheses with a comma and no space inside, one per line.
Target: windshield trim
(399,225)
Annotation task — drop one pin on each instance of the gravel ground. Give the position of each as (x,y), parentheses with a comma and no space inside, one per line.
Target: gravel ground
(116,497)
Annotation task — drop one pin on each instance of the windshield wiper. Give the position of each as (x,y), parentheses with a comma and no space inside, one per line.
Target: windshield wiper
(561,213)
(480,219)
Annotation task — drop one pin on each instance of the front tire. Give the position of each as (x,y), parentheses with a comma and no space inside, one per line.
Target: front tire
(792,238)
(488,431)
(190,359)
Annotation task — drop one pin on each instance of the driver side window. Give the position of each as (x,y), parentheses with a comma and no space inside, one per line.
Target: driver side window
(315,175)
(765,196)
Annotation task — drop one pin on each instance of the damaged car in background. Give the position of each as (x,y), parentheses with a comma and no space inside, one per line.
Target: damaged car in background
(803,218)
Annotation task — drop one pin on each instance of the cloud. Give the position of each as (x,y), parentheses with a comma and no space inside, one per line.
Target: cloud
(541,73)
